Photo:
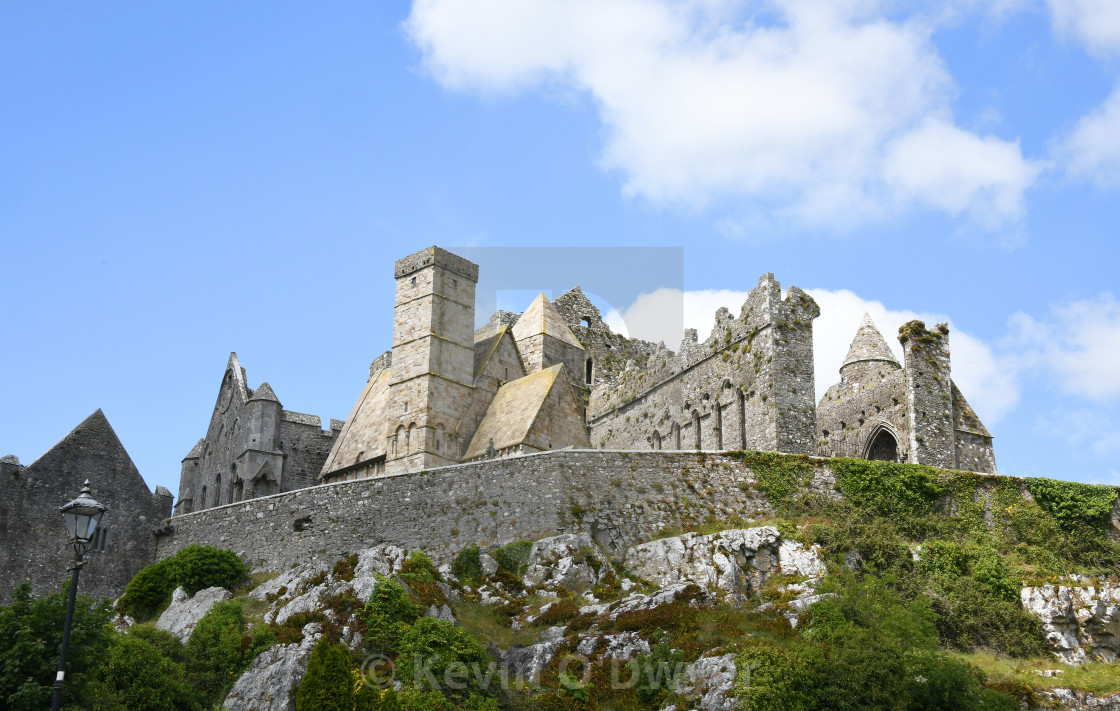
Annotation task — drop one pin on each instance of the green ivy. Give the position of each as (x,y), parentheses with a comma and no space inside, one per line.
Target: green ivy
(1074,505)
(782,477)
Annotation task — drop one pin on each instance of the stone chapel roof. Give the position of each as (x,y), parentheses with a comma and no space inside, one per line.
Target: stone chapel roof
(485,347)
(869,344)
(542,317)
(364,435)
(513,411)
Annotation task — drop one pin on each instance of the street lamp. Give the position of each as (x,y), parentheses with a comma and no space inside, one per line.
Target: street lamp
(80,517)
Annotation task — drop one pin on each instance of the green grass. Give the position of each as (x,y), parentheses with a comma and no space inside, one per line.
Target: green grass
(1097,677)
(487,624)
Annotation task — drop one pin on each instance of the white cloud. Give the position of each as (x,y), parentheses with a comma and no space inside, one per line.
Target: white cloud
(1092,150)
(1077,345)
(1095,429)
(958,171)
(1095,23)
(813,109)
(989,381)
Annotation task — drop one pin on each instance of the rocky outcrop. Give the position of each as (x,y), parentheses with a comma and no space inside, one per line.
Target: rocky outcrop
(1082,700)
(712,681)
(570,561)
(526,662)
(1080,623)
(270,682)
(735,561)
(184,613)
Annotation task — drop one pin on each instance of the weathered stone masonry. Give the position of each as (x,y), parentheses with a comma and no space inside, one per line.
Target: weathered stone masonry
(620,497)
(749,386)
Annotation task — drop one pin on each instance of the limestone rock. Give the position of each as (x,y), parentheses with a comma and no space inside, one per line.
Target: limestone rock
(442,612)
(639,601)
(1080,623)
(270,682)
(712,679)
(735,561)
(384,560)
(184,613)
(489,565)
(568,561)
(284,586)
(1079,700)
(526,662)
(623,646)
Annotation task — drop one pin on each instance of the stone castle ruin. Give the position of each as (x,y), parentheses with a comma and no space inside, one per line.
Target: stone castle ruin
(557,377)
(464,435)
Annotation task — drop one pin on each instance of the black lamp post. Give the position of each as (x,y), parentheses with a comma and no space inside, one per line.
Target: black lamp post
(80,517)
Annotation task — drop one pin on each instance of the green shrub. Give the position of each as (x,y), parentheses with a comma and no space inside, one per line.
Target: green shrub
(1072,504)
(220,649)
(199,567)
(420,575)
(514,557)
(438,656)
(467,565)
(193,568)
(167,644)
(865,648)
(148,591)
(558,613)
(30,639)
(418,566)
(328,683)
(387,614)
(139,675)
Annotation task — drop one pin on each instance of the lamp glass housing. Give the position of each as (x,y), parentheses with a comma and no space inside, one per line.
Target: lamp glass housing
(81,516)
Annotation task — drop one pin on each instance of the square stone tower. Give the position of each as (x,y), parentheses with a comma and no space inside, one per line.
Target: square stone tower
(433,359)
(929,394)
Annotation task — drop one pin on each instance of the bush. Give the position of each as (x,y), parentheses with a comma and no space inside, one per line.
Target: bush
(193,568)
(328,683)
(220,649)
(30,640)
(1073,504)
(420,575)
(866,648)
(138,675)
(513,558)
(558,613)
(389,611)
(199,567)
(438,656)
(467,566)
(148,591)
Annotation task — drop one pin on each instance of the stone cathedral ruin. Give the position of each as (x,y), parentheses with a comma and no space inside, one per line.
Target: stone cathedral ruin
(557,377)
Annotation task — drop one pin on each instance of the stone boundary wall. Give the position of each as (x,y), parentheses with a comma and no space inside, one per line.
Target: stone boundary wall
(619,497)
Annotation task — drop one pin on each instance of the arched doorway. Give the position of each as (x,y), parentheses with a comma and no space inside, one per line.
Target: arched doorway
(883,447)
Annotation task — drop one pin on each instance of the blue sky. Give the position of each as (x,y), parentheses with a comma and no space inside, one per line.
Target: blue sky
(178,181)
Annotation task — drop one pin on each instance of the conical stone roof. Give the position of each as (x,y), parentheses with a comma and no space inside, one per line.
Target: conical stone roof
(869,344)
